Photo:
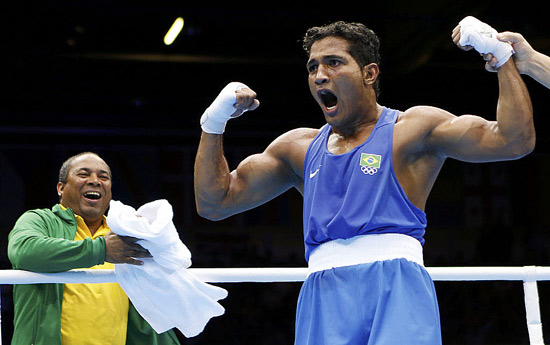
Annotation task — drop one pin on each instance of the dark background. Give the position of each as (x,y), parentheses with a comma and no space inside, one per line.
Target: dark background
(95,75)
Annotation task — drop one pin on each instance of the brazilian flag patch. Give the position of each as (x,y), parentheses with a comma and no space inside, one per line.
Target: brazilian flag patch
(370,160)
(370,163)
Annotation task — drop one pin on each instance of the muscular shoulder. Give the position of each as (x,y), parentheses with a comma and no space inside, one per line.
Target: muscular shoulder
(425,115)
(420,121)
(415,126)
(303,133)
(296,139)
(291,147)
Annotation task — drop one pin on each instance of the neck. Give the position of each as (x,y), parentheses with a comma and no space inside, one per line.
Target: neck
(340,142)
(361,125)
(93,225)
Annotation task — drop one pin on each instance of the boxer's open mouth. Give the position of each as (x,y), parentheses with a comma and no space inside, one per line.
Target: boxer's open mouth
(328,98)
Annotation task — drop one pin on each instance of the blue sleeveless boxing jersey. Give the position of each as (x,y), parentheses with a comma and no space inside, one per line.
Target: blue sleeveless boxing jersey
(356,193)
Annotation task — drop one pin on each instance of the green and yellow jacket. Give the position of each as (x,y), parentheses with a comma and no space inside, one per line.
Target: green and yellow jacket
(38,243)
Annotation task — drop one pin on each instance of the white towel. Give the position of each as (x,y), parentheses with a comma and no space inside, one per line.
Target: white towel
(163,291)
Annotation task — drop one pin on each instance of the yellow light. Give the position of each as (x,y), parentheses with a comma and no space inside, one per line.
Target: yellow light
(174,31)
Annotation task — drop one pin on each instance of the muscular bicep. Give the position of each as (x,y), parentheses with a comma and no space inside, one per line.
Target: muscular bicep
(258,179)
(469,138)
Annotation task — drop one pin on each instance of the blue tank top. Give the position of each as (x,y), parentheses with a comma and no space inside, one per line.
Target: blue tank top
(356,193)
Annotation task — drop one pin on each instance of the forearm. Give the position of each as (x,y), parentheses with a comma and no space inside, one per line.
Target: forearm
(46,254)
(539,68)
(36,244)
(514,112)
(212,175)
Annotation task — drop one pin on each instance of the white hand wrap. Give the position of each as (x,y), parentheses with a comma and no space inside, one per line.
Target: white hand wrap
(483,38)
(215,117)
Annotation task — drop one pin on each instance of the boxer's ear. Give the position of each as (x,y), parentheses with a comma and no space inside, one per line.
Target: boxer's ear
(370,73)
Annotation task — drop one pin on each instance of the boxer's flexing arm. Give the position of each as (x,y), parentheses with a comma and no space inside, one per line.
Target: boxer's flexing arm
(220,192)
(513,134)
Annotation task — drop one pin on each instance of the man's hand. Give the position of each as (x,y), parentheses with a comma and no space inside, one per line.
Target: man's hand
(472,33)
(232,102)
(456,39)
(124,250)
(246,100)
(524,51)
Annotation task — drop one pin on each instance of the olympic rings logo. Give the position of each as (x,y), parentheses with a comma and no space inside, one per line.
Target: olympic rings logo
(369,170)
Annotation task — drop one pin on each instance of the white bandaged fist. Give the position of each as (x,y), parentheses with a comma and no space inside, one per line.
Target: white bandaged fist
(224,108)
(483,38)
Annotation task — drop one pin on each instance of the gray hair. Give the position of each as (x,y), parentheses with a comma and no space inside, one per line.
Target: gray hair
(66,166)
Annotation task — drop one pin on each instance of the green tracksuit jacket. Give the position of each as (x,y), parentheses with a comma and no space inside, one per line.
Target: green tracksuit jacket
(42,240)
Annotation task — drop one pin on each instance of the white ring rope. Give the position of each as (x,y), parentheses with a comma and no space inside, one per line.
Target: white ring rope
(528,274)
(276,274)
